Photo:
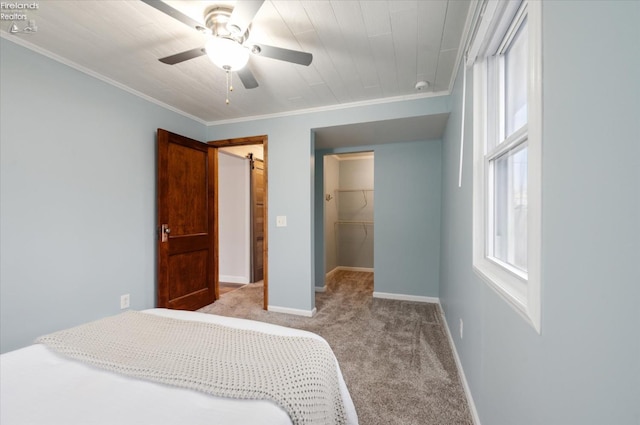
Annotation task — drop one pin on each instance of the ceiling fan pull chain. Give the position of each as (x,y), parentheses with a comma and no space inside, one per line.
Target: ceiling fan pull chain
(227,101)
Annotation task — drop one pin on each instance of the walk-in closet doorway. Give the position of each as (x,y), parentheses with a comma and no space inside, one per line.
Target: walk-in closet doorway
(348,211)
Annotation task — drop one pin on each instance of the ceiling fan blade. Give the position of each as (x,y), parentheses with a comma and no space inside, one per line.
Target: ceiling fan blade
(183,56)
(175,14)
(242,15)
(279,53)
(247,78)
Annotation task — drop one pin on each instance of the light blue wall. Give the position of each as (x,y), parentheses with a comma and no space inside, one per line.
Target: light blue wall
(407,218)
(584,367)
(77,195)
(295,258)
(407,181)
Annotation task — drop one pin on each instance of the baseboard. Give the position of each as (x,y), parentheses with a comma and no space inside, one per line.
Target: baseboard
(294,311)
(402,297)
(330,273)
(463,378)
(353,269)
(233,279)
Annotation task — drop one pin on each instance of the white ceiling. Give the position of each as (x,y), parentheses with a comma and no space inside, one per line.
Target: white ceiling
(363,51)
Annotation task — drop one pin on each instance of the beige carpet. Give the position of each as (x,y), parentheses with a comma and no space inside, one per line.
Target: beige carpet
(394,355)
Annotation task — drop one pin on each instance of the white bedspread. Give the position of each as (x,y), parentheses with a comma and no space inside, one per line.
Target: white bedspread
(38,386)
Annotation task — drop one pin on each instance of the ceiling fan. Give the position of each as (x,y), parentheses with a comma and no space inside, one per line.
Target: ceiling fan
(227,46)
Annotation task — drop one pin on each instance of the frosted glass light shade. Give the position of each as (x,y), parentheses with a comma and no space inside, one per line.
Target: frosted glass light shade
(227,54)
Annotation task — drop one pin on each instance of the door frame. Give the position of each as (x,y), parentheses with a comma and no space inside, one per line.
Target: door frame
(252,140)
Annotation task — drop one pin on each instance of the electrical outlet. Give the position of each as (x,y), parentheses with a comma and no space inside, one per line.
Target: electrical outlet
(124,301)
(461,328)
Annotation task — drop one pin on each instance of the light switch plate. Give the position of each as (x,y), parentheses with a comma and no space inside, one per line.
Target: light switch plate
(281,221)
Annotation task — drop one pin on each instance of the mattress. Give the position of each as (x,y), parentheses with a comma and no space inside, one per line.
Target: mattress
(38,386)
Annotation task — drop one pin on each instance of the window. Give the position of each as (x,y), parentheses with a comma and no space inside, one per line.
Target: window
(507,147)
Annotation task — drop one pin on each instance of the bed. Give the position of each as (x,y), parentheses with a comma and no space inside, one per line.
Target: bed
(38,385)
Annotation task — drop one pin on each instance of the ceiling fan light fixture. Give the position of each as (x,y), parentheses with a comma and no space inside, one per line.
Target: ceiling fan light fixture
(226,53)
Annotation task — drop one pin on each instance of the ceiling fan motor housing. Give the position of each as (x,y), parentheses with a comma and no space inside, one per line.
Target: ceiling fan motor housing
(217,20)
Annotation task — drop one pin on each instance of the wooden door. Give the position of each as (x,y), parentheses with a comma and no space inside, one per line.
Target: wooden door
(257,219)
(186,257)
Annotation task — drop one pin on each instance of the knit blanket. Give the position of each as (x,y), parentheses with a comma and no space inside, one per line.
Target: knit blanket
(297,373)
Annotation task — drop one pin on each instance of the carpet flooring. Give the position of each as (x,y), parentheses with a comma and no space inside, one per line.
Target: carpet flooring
(394,355)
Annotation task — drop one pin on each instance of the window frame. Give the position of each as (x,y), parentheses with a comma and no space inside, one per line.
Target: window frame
(521,290)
